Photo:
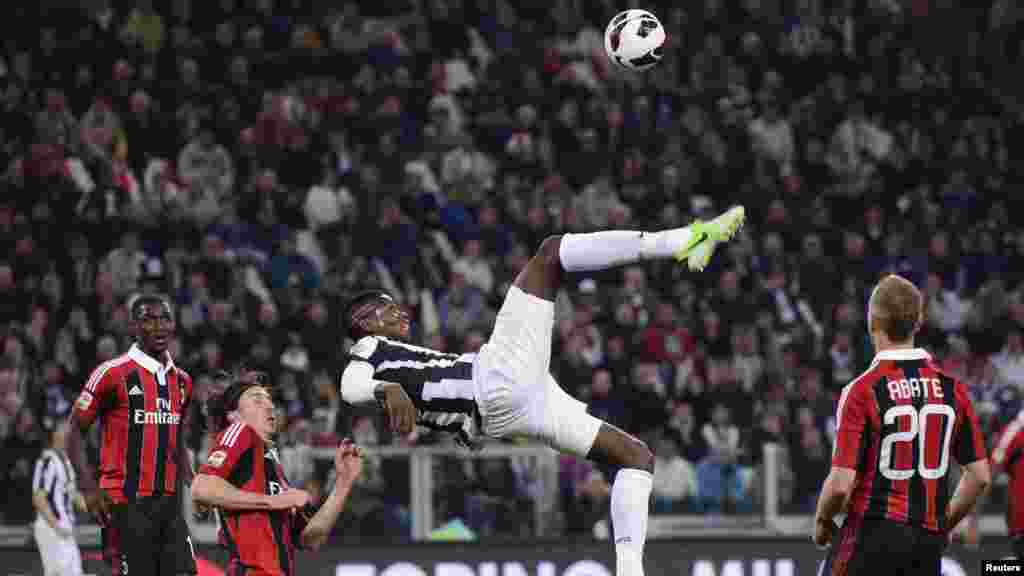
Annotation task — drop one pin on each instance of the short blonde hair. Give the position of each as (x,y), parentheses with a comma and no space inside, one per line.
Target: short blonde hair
(898,306)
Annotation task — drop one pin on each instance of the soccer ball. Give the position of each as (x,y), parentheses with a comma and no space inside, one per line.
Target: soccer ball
(633,40)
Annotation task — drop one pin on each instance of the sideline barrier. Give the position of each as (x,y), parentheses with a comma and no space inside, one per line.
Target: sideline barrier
(706,557)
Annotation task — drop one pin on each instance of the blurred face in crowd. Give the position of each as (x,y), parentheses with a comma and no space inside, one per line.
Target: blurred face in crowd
(729,284)
(601,385)
(6,278)
(1014,343)
(744,341)
(645,376)
(211,354)
(846,315)
(854,246)
(8,379)
(267,315)
(720,415)
(239,70)
(666,315)
(682,413)
(894,245)
(106,348)
(474,341)
(225,34)
(938,246)
(776,212)
(318,313)
(813,248)
(634,280)
(712,325)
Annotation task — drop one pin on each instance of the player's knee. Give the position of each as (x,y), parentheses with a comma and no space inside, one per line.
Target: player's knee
(547,255)
(642,456)
(637,455)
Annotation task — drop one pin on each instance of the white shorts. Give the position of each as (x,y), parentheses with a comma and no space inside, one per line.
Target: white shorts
(515,391)
(60,555)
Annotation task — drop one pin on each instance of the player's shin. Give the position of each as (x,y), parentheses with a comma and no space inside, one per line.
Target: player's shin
(611,248)
(631,493)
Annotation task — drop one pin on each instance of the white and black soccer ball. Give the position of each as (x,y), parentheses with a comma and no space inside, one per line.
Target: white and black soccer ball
(633,40)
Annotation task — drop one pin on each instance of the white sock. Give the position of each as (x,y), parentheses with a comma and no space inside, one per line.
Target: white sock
(631,493)
(611,248)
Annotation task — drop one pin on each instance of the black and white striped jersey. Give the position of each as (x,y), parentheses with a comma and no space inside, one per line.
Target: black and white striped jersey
(439,384)
(55,476)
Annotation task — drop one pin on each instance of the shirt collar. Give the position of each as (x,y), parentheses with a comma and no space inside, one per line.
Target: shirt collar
(902,354)
(148,362)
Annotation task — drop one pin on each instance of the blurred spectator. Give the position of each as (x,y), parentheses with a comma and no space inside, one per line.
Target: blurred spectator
(461,306)
(124,265)
(207,169)
(145,27)
(665,340)
(101,130)
(585,494)
(772,137)
(675,481)
(722,480)
(20,448)
(1009,363)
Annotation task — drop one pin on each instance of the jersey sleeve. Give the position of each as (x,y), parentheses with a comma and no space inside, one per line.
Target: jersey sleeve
(94,394)
(851,423)
(357,384)
(232,444)
(968,442)
(367,350)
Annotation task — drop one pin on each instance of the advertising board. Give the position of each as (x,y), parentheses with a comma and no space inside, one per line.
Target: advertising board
(694,557)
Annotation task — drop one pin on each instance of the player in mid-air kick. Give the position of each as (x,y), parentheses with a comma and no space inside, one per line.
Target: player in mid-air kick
(506,390)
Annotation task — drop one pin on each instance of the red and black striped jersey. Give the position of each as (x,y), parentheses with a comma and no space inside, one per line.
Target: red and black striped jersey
(140,402)
(1008,455)
(260,542)
(899,425)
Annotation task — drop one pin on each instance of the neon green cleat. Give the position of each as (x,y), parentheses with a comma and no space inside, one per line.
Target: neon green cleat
(707,236)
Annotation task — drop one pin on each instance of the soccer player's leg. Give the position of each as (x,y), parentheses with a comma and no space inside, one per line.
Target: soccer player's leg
(563,423)
(875,546)
(111,542)
(177,553)
(517,356)
(138,538)
(593,251)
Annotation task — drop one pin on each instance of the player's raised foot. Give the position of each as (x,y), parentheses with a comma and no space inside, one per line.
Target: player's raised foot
(708,235)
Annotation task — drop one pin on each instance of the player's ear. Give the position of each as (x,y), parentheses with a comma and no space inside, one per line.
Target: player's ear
(233,416)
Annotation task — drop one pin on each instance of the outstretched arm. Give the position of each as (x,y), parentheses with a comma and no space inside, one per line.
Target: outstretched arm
(215,491)
(348,465)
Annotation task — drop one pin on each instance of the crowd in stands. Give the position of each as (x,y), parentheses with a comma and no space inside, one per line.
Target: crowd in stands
(257,160)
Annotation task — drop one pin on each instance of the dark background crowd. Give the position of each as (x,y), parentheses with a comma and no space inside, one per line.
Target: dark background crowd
(257,160)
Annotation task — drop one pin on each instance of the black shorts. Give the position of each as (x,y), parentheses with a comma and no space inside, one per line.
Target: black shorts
(151,538)
(876,546)
(1018,547)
